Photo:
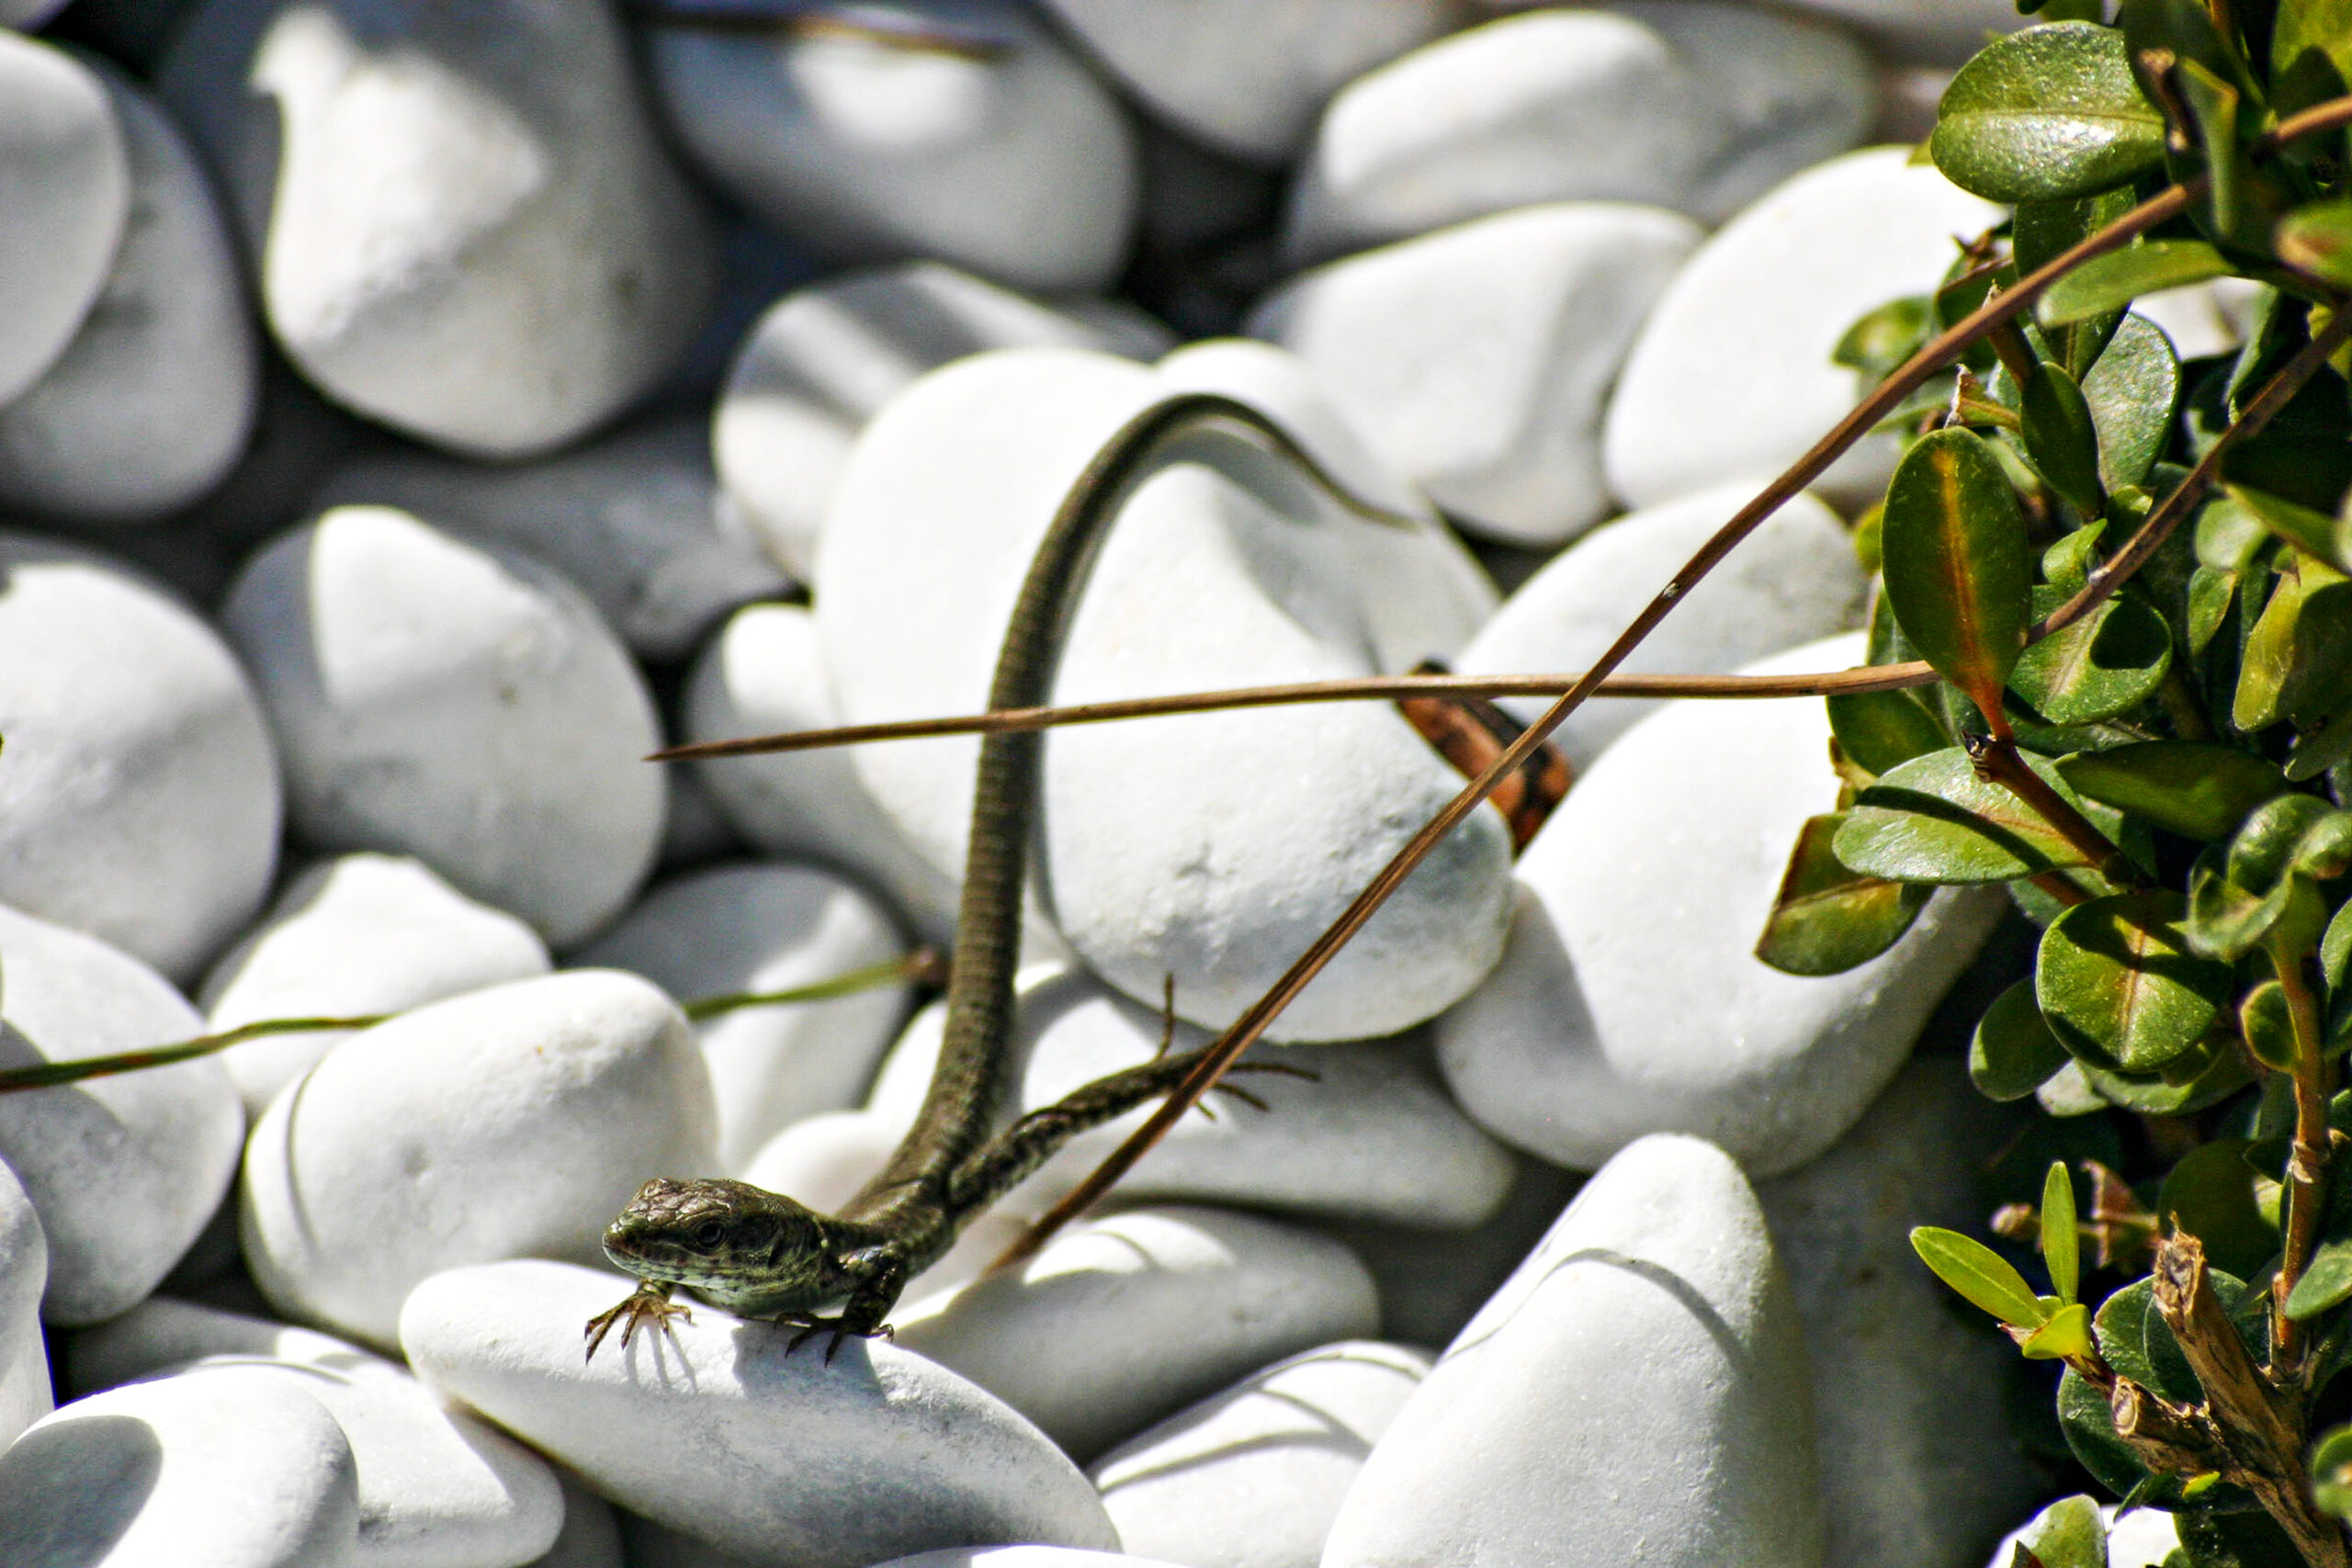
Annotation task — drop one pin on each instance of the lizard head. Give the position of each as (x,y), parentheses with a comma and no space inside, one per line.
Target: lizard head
(737,1245)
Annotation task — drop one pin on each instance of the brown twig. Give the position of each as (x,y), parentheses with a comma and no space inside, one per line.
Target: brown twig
(2307,1161)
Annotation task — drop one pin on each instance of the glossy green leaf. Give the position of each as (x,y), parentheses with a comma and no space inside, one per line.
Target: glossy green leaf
(2055,423)
(2211,1194)
(2067,1334)
(1980,1274)
(2060,1245)
(2332,1472)
(2216,107)
(1957,570)
(2040,233)
(2066,565)
(2107,663)
(2226,920)
(2211,1539)
(2317,240)
(2210,594)
(2134,1340)
(1826,919)
(2131,392)
(1882,730)
(2297,663)
(2046,114)
(2336,949)
(1932,819)
(2326,1282)
(2271,842)
(2069,1533)
(2013,1053)
(2317,751)
(2267,1025)
(2190,1082)
(2090,1426)
(2190,787)
(1882,339)
(2310,531)
(2228,534)
(2119,985)
(2112,281)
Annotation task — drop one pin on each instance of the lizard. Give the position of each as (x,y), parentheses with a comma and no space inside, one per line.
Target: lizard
(760,1253)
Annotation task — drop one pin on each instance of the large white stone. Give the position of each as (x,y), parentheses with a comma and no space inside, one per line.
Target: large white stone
(1252,1477)
(352,937)
(822,360)
(140,799)
(458,701)
(1917,1465)
(437,1488)
(716,1430)
(1631,1000)
(1635,1393)
(763,674)
(1699,107)
(123,1169)
(1732,375)
(509,1122)
(1794,581)
(1369,1136)
(65,170)
(463,222)
(635,521)
(228,1467)
(1247,76)
(957,128)
(767,927)
(150,404)
(1124,1319)
(24,1273)
(1477,358)
(1168,847)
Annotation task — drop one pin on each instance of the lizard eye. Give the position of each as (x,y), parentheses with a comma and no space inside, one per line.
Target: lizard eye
(710,1233)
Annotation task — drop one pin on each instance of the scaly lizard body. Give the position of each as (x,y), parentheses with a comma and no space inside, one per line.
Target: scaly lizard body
(759,1254)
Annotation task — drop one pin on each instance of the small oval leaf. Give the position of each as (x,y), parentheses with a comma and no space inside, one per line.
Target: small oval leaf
(2190,787)
(1882,730)
(2013,1053)
(1981,1274)
(1932,819)
(2119,985)
(2317,240)
(2061,1243)
(2066,1335)
(2132,392)
(1958,573)
(2112,281)
(1827,918)
(2055,422)
(2046,114)
(2109,662)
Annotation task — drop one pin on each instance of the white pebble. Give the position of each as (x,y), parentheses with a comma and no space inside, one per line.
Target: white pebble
(767,927)
(1794,581)
(125,1169)
(227,1468)
(459,702)
(993,149)
(1124,1319)
(1252,1478)
(1478,357)
(24,1271)
(1631,1000)
(717,1431)
(1168,849)
(350,937)
(140,800)
(514,1122)
(1732,373)
(67,169)
(822,360)
(463,222)
(635,521)
(1698,107)
(1635,1393)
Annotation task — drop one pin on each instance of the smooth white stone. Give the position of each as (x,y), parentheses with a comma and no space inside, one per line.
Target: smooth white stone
(1021,1557)
(1794,581)
(226,1468)
(456,700)
(1631,1000)
(1478,358)
(65,167)
(1936,32)
(1917,1465)
(351,937)
(1252,1477)
(1698,106)
(1732,375)
(717,1431)
(635,521)
(465,226)
(763,674)
(140,801)
(437,1488)
(24,1271)
(1168,851)
(764,926)
(2144,1538)
(2194,318)
(1370,1136)
(591,1536)
(1123,1319)
(151,403)
(511,1123)
(123,1169)
(997,151)
(1637,1392)
(1247,76)
(822,360)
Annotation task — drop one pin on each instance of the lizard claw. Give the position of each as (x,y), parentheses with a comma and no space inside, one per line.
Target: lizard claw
(647,1302)
(841,1329)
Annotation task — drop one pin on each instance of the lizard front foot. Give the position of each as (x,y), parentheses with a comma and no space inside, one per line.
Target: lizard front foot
(649,1302)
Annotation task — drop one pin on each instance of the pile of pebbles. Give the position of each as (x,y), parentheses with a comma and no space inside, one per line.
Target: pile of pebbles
(413,414)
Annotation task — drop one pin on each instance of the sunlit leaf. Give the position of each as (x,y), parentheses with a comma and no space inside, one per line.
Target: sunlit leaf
(2012,1053)
(1980,1274)
(2112,281)
(1826,919)
(2318,240)
(1957,570)
(2061,1245)
(2121,988)
(2055,423)
(1882,730)
(2192,787)
(2332,1472)
(2106,663)
(2209,1193)
(2046,114)
(2313,532)
(2326,1282)
(2132,392)
(1885,337)
(2069,1533)
(2190,1082)
(2267,1026)
(2211,593)
(2068,1333)
(2297,663)
(1932,819)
